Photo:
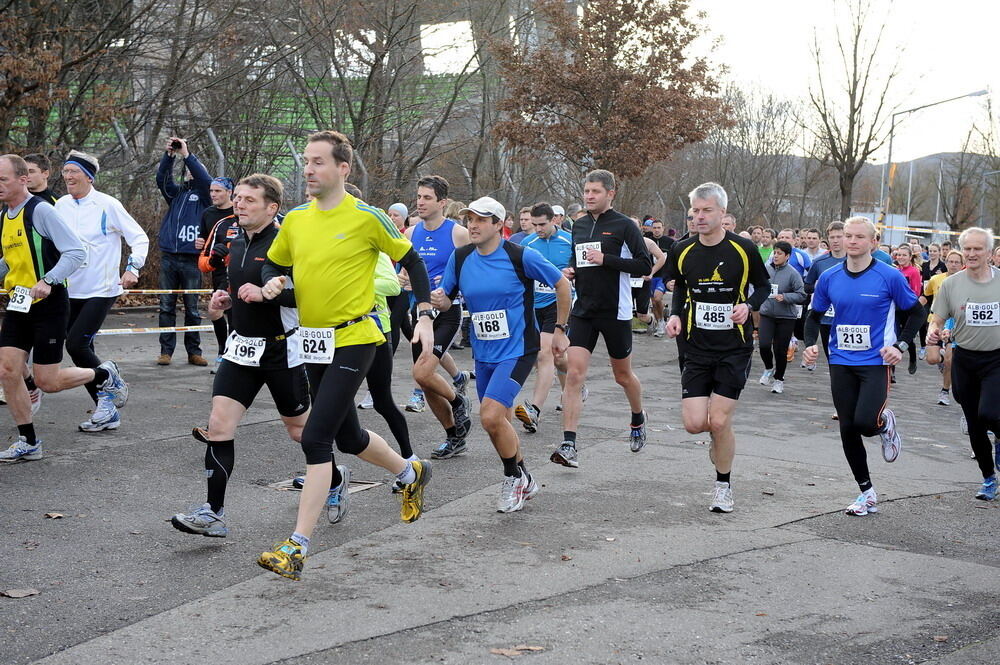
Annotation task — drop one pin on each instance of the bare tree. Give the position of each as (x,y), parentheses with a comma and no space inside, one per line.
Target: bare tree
(850,112)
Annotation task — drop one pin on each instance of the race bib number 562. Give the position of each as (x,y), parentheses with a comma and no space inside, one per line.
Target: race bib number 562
(980,314)
(316,345)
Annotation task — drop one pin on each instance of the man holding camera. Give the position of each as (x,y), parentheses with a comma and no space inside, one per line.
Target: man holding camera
(179,256)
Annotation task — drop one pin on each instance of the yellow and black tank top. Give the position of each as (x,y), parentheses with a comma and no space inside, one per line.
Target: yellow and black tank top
(28,254)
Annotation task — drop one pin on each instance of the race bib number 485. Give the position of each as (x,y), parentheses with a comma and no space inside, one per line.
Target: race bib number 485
(982,314)
(491,325)
(854,338)
(317,345)
(713,316)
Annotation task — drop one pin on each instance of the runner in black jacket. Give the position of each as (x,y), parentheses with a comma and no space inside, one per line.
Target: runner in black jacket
(262,349)
(608,248)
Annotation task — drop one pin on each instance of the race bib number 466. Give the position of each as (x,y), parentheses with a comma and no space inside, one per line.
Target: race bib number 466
(317,345)
(980,314)
(854,338)
(714,316)
(491,325)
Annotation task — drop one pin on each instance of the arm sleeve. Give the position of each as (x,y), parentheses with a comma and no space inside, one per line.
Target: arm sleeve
(270,270)
(51,225)
(386,282)
(812,327)
(165,178)
(915,317)
(798,294)
(204,228)
(135,237)
(420,282)
(640,264)
(287,296)
(809,283)
(449,282)
(4,269)
(759,296)
(680,286)
(202,178)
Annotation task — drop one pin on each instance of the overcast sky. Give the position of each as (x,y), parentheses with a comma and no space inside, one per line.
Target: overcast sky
(949,49)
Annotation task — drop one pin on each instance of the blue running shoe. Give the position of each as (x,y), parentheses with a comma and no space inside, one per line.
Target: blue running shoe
(988,491)
(338,500)
(463,382)
(21,451)
(115,386)
(637,435)
(105,416)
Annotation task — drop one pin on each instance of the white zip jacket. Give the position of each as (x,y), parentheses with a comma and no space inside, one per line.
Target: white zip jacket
(101,222)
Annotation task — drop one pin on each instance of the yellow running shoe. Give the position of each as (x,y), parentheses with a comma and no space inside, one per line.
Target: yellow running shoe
(286,560)
(413,494)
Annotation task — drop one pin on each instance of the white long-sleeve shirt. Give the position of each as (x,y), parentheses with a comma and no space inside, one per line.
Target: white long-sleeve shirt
(101,222)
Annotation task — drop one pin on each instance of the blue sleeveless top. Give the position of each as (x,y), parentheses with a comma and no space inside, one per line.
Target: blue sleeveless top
(435,248)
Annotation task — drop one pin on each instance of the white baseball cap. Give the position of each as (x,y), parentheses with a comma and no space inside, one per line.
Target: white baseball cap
(558,210)
(486,207)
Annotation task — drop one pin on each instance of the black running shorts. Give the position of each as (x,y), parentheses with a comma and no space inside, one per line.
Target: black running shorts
(289,387)
(724,374)
(617,335)
(546,317)
(42,328)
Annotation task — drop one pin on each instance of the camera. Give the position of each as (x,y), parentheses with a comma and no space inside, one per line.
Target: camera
(176,145)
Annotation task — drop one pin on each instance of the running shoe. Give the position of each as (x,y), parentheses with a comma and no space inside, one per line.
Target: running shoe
(988,491)
(286,560)
(463,423)
(339,498)
(944,398)
(451,447)
(462,384)
(367,402)
(512,494)
(36,399)
(912,367)
(811,367)
(637,435)
(922,352)
(416,404)
(201,521)
(20,450)
(722,498)
(413,494)
(531,489)
(767,378)
(397,485)
(115,385)
(298,482)
(565,455)
(865,503)
(215,366)
(528,415)
(778,387)
(104,417)
(891,442)
(661,329)
(584,394)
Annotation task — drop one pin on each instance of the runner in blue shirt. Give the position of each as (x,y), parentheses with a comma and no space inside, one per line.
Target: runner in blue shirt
(555,245)
(497,277)
(865,294)
(836,256)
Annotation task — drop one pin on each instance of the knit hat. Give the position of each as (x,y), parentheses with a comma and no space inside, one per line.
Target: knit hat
(89,165)
(401,209)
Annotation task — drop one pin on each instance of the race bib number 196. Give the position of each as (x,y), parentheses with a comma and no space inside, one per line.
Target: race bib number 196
(982,314)
(20,301)
(244,351)
(714,316)
(854,338)
(317,345)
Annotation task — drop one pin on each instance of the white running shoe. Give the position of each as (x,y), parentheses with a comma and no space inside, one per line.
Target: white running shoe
(864,504)
(36,400)
(778,386)
(661,328)
(367,402)
(722,498)
(767,377)
(512,494)
(891,442)
(944,398)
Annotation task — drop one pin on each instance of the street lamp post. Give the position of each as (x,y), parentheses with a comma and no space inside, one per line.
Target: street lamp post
(892,130)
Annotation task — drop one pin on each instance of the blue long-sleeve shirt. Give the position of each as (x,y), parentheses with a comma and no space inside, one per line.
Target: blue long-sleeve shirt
(187,202)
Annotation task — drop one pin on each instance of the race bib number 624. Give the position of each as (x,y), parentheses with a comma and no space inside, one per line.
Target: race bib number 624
(317,345)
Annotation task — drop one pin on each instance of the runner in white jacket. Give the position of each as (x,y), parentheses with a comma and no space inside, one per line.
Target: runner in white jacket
(101,222)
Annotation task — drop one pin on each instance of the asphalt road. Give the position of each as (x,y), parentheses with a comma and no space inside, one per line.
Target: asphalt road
(618,561)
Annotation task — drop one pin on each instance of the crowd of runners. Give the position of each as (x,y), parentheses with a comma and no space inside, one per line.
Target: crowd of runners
(314,303)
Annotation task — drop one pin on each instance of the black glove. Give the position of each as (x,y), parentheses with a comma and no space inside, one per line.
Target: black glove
(217,259)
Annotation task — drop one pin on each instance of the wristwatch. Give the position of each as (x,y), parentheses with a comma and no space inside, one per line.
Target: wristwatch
(48,280)
(902,346)
(563,327)
(429,313)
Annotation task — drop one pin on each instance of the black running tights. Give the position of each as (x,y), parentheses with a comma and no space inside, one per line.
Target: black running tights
(380,386)
(773,337)
(86,315)
(860,393)
(975,380)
